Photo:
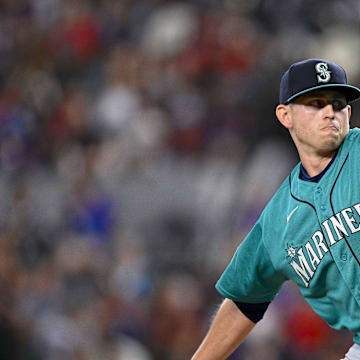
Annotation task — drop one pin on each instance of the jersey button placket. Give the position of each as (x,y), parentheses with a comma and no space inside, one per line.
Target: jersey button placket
(320,203)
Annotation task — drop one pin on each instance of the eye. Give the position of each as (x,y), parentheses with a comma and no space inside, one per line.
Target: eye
(318,103)
(338,104)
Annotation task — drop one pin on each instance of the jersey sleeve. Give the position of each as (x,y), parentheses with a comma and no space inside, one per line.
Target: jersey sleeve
(254,312)
(250,276)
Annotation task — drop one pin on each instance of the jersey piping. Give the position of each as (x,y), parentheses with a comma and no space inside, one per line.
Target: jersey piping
(332,208)
(313,207)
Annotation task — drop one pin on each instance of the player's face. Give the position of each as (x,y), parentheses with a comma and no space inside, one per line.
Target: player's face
(319,121)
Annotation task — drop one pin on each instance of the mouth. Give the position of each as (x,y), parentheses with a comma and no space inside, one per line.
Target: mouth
(330,128)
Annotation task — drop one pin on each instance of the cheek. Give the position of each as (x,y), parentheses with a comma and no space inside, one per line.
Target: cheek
(345,128)
(304,133)
(345,123)
(306,124)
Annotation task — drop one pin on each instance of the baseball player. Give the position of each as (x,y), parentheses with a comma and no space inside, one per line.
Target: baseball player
(310,230)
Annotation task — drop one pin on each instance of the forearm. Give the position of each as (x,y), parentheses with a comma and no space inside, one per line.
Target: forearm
(229,328)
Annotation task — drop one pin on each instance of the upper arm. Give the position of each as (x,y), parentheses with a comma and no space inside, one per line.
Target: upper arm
(251,276)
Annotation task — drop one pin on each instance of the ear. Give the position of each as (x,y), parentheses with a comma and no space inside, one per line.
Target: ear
(349,111)
(283,113)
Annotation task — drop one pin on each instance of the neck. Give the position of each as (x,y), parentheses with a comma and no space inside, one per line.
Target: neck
(314,164)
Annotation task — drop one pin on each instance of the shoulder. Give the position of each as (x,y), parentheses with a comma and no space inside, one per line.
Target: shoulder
(353,138)
(280,204)
(283,194)
(354,132)
(351,141)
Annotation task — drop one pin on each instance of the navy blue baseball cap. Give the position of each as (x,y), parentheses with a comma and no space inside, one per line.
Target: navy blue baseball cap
(313,74)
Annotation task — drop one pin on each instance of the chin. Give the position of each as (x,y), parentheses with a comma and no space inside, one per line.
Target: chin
(332,144)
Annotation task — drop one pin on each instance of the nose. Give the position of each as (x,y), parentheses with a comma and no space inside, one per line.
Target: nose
(329,111)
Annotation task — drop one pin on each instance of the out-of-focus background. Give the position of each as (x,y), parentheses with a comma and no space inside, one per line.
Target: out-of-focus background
(138,146)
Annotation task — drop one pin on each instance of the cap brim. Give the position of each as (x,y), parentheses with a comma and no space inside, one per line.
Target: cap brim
(351,93)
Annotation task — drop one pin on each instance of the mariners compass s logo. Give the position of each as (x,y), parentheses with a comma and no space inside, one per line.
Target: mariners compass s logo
(290,251)
(323,72)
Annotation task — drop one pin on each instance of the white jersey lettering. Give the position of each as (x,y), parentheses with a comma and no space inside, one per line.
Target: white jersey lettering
(338,225)
(304,270)
(329,233)
(350,220)
(318,239)
(312,255)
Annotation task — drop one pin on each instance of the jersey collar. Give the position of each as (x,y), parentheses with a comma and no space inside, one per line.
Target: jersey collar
(304,190)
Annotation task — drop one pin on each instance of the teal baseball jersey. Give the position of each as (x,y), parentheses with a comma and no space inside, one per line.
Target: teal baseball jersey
(308,233)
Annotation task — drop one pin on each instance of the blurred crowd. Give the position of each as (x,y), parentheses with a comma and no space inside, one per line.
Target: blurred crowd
(138,145)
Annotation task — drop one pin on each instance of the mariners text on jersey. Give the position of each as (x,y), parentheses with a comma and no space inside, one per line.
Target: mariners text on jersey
(336,228)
